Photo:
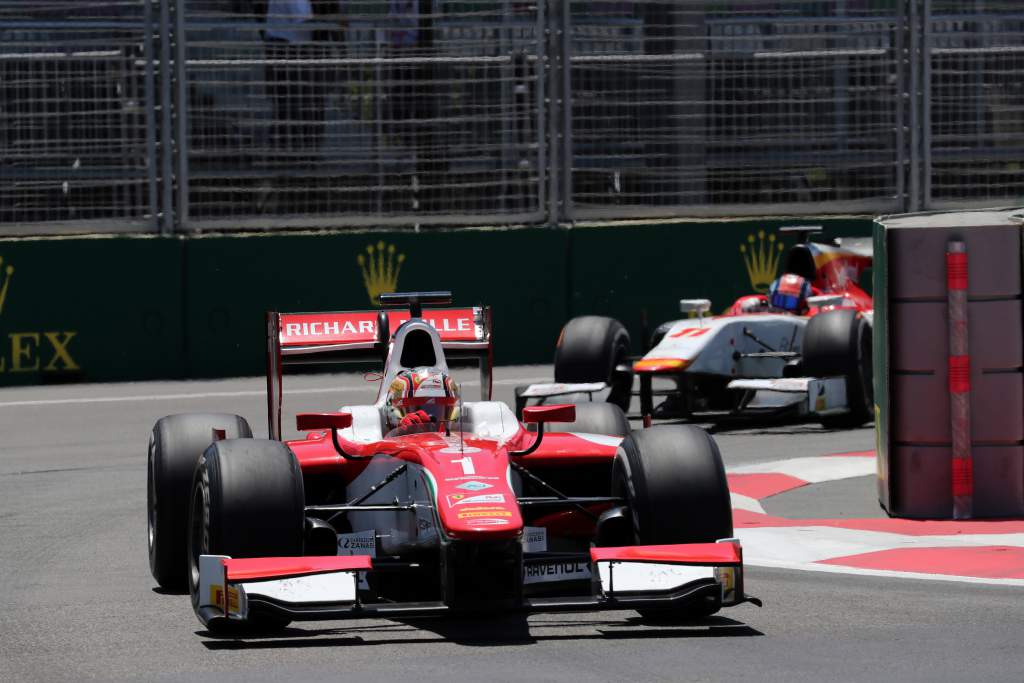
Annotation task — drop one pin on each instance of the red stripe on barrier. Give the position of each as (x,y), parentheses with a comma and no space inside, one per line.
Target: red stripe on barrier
(963,476)
(956,271)
(959,374)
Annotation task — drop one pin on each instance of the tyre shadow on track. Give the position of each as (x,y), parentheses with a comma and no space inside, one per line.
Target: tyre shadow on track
(493,632)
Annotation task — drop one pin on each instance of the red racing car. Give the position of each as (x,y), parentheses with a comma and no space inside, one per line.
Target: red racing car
(456,507)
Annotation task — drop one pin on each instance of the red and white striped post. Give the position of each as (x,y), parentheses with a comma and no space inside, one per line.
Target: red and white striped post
(959,381)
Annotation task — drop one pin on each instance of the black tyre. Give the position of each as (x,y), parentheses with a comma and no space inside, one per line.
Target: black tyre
(594,418)
(247,501)
(175,445)
(838,343)
(589,349)
(674,480)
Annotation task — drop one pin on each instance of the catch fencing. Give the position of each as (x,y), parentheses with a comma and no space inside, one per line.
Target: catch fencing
(164,115)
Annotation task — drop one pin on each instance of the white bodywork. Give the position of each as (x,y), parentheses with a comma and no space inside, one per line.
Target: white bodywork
(709,345)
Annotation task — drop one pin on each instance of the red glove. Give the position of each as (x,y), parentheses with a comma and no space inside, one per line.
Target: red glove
(417,418)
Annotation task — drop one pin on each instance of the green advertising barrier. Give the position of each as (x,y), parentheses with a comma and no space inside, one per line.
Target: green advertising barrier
(129,308)
(230,281)
(90,309)
(621,270)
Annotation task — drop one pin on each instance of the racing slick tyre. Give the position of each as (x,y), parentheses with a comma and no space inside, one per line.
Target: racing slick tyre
(673,478)
(838,343)
(594,418)
(589,349)
(174,448)
(247,501)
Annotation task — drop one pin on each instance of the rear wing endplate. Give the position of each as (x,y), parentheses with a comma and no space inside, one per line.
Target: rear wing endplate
(364,337)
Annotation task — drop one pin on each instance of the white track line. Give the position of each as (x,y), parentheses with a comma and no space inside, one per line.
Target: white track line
(229,394)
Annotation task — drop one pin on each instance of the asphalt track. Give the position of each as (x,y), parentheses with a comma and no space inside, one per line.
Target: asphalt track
(77,600)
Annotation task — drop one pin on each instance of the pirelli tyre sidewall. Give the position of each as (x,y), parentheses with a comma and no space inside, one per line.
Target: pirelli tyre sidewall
(247,501)
(175,445)
(838,344)
(588,350)
(673,480)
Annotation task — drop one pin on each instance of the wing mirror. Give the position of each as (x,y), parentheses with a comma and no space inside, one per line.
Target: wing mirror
(306,422)
(541,414)
(565,412)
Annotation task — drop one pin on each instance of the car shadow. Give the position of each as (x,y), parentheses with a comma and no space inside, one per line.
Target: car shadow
(496,631)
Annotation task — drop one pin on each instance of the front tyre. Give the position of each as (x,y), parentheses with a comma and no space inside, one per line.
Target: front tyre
(247,501)
(673,478)
(838,343)
(589,349)
(175,445)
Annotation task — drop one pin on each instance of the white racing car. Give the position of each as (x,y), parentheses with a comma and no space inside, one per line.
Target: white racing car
(754,360)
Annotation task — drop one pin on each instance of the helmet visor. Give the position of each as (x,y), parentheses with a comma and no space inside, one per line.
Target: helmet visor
(437,407)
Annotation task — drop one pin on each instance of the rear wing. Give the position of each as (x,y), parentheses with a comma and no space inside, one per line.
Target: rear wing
(364,337)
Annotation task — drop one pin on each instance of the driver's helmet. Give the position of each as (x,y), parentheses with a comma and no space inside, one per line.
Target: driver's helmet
(424,393)
(789,293)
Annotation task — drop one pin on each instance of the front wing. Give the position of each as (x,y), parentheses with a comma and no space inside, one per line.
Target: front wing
(316,588)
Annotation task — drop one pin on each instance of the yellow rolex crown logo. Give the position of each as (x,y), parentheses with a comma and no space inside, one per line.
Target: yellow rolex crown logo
(6,274)
(380,266)
(761,259)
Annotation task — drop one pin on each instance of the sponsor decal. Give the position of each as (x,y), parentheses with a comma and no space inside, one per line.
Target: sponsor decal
(358,543)
(471,476)
(488,522)
(217,597)
(6,275)
(473,486)
(329,328)
(761,257)
(471,514)
(458,450)
(465,499)
(535,539)
(380,266)
(43,351)
(691,332)
(548,572)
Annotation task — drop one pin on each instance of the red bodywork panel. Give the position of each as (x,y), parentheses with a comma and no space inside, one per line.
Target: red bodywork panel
(691,553)
(273,567)
(453,460)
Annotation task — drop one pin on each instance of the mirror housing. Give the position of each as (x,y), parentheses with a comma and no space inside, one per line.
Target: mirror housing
(306,422)
(565,412)
(700,306)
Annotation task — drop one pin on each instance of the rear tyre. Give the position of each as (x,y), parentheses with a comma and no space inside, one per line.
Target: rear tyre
(674,481)
(839,343)
(175,445)
(247,501)
(594,418)
(589,349)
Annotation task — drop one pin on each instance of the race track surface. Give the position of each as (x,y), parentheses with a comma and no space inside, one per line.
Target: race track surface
(77,600)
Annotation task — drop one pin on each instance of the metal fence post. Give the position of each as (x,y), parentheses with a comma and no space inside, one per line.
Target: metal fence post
(926,107)
(541,66)
(903,125)
(166,129)
(914,195)
(181,74)
(567,213)
(554,100)
(150,114)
